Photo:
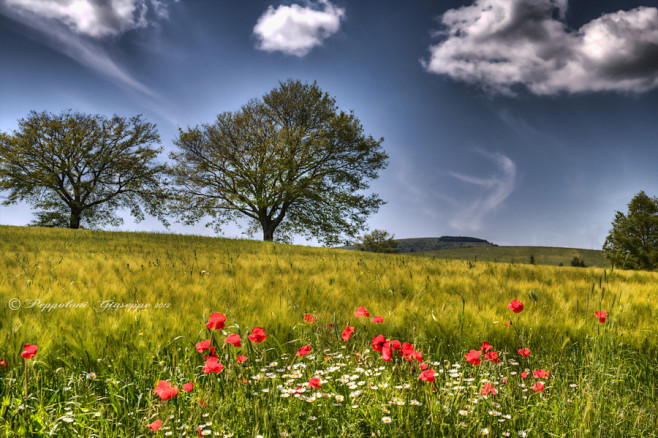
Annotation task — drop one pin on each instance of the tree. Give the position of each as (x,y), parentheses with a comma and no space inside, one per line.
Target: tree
(633,239)
(377,241)
(80,168)
(290,162)
(577,262)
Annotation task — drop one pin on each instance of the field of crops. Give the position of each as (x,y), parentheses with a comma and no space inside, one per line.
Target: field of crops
(123,335)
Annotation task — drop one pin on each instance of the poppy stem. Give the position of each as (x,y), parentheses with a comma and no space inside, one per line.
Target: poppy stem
(26,379)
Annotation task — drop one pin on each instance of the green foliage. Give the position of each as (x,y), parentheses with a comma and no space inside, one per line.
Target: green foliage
(290,162)
(377,241)
(577,262)
(633,240)
(78,169)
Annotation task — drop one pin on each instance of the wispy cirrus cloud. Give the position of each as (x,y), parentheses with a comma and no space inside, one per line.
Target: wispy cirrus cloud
(495,190)
(498,44)
(81,29)
(296,29)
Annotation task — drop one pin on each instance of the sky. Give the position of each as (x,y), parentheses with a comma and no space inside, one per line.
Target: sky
(522,122)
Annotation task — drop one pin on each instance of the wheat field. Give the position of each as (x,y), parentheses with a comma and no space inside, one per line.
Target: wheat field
(128,309)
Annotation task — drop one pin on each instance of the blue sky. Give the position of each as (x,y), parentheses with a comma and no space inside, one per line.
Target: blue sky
(523,122)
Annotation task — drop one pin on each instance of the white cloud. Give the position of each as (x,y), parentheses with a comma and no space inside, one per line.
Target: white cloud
(502,43)
(496,189)
(94,18)
(77,29)
(295,29)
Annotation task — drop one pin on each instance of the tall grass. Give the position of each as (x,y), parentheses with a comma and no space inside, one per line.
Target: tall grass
(443,307)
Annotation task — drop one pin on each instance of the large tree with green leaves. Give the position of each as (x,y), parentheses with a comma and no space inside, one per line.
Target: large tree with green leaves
(79,169)
(291,162)
(633,240)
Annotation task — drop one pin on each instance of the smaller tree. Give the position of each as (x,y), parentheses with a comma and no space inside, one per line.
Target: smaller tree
(532,259)
(577,262)
(377,241)
(80,168)
(633,239)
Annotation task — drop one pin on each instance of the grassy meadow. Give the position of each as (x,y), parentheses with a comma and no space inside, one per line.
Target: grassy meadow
(544,255)
(113,314)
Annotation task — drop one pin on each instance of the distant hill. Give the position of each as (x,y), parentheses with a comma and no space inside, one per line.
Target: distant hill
(543,255)
(436,243)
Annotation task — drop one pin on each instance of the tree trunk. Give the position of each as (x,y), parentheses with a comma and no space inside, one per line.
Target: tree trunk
(268,231)
(74,219)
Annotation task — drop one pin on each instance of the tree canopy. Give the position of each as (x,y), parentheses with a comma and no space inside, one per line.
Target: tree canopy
(377,241)
(633,240)
(290,162)
(80,168)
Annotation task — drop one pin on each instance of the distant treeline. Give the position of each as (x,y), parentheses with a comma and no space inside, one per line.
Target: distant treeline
(436,243)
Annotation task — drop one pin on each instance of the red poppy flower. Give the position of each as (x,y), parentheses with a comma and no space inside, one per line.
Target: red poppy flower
(601,315)
(418,355)
(29,351)
(492,356)
(524,352)
(212,366)
(234,339)
(203,345)
(241,359)
(309,318)
(257,334)
(427,376)
(387,353)
(537,387)
(314,382)
(361,311)
(473,357)
(407,349)
(486,347)
(330,325)
(423,366)
(347,333)
(488,388)
(216,321)
(378,319)
(212,354)
(3,364)
(515,306)
(524,374)
(164,390)
(378,343)
(394,344)
(157,424)
(540,374)
(188,387)
(506,323)
(306,349)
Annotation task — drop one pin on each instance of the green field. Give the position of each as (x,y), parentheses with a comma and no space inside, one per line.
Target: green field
(544,255)
(115,313)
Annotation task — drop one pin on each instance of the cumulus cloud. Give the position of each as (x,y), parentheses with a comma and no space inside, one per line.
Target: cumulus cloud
(295,29)
(495,190)
(79,29)
(502,43)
